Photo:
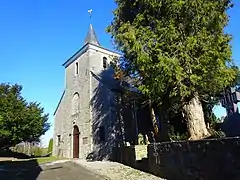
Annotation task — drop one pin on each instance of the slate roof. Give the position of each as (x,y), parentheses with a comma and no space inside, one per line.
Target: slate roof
(91,37)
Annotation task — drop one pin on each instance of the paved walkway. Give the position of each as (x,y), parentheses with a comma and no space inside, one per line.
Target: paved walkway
(70,170)
(67,171)
(52,171)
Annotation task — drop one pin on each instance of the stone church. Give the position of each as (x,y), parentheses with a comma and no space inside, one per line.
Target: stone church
(77,119)
(87,116)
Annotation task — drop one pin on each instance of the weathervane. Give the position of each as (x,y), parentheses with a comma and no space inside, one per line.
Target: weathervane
(90,13)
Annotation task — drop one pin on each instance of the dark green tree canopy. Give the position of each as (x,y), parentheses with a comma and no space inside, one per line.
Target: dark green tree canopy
(19,120)
(178,47)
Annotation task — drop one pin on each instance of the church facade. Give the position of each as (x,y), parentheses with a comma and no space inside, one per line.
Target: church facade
(85,116)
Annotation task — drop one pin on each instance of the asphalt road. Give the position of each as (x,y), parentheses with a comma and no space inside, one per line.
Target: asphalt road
(67,171)
(63,171)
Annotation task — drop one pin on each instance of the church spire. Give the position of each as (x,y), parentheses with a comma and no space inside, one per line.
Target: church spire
(91,37)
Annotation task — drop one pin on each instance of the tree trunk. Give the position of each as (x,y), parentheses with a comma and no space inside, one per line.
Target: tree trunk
(193,112)
(161,134)
(121,123)
(163,120)
(154,120)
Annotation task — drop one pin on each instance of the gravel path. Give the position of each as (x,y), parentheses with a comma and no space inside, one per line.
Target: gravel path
(116,171)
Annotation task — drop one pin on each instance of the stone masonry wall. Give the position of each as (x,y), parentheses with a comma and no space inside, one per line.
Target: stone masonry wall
(102,99)
(94,106)
(133,156)
(193,160)
(65,120)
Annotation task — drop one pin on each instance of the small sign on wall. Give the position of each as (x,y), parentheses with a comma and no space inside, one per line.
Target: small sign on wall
(85,140)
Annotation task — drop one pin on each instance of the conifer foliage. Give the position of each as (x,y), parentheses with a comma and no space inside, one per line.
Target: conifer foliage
(178,49)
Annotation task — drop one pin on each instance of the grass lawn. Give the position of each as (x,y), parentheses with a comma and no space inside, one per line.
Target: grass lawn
(43,160)
(40,160)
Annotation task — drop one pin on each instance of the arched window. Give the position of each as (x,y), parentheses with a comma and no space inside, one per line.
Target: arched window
(104,62)
(76,68)
(75,103)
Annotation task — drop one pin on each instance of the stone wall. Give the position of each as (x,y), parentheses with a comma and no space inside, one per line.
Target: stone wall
(205,159)
(187,160)
(65,119)
(141,152)
(89,116)
(133,156)
(125,155)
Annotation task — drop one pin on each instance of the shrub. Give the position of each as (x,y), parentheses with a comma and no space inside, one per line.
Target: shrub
(50,145)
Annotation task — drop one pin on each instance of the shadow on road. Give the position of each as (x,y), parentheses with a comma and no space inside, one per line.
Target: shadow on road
(19,169)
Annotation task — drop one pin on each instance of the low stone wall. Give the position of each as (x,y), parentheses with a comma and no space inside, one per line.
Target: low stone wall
(133,156)
(125,155)
(193,160)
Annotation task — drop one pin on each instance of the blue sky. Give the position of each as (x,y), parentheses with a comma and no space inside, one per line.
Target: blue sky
(36,37)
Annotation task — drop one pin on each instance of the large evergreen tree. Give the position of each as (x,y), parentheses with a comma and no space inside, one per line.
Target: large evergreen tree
(19,120)
(179,51)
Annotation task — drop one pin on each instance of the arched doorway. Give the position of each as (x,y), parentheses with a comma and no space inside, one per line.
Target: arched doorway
(75,142)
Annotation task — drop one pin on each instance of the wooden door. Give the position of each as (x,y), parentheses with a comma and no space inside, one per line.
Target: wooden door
(75,142)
